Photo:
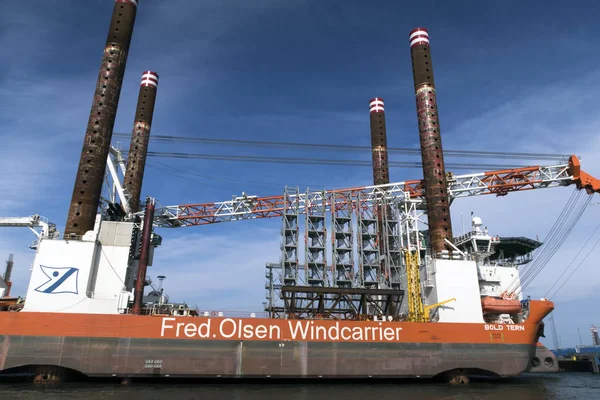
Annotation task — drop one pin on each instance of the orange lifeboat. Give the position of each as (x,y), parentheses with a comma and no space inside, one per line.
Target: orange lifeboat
(494,305)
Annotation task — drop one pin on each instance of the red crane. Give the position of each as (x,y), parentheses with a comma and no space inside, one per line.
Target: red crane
(499,183)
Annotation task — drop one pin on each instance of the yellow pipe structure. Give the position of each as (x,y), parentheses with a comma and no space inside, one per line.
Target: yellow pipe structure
(417,312)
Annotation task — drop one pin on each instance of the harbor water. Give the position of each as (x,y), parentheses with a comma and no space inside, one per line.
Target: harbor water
(529,386)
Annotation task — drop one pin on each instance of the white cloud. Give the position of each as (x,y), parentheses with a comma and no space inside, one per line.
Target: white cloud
(41,146)
(17,47)
(218,271)
(44,106)
(549,119)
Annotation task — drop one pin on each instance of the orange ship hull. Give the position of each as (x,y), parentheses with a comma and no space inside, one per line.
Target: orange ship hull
(129,346)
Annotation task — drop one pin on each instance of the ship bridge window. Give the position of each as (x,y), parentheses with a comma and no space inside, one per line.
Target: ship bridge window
(482,244)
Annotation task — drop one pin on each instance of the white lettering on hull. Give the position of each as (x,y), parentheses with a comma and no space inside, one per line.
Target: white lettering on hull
(306,330)
(189,330)
(504,327)
(230,328)
(245,329)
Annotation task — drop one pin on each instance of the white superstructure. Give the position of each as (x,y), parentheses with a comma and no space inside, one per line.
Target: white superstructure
(497,272)
(93,274)
(456,279)
(485,267)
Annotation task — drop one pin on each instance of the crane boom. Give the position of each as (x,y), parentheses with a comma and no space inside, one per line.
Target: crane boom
(499,183)
(48,229)
(32,221)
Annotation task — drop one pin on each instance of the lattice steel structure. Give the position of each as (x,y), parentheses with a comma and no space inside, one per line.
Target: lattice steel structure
(342,239)
(357,220)
(315,240)
(391,230)
(368,244)
(337,303)
(290,236)
(274,277)
(498,183)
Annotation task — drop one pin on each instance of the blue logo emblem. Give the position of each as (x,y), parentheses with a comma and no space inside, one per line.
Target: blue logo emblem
(60,280)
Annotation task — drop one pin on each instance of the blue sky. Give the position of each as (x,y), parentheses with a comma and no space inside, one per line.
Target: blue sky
(510,76)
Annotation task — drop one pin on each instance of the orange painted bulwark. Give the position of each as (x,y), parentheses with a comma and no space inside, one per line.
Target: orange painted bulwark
(494,305)
(259,329)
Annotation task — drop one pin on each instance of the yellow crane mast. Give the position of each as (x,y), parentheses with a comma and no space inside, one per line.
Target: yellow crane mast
(417,312)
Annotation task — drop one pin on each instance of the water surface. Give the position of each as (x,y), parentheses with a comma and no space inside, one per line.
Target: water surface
(529,386)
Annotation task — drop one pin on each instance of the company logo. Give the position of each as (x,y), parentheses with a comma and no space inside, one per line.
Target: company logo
(60,280)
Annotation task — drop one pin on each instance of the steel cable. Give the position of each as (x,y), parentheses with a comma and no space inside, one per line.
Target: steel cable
(564,224)
(313,146)
(547,295)
(555,234)
(322,161)
(179,172)
(577,213)
(575,270)
(555,240)
(546,242)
